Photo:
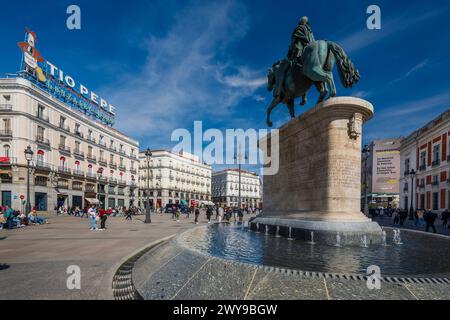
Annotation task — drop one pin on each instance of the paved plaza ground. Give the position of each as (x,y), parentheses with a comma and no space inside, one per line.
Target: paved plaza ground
(34,260)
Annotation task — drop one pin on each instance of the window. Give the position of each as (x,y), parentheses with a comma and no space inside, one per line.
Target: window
(90,135)
(89,151)
(41,110)
(62,141)
(102,154)
(436,154)
(423,159)
(6,151)
(7,124)
(406,166)
(111,158)
(102,139)
(40,132)
(435,180)
(77,146)
(121,162)
(62,122)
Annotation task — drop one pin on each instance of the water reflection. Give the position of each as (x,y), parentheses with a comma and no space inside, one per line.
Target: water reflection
(418,255)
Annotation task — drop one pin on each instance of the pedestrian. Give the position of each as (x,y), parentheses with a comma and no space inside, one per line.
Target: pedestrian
(217,212)
(208,214)
(92,213)
(128,214)
(445,216)
(177,214)
(197,214)
(103,216)
(430,218)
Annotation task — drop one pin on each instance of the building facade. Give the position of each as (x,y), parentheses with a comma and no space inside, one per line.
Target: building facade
(76,160)
(225,188)
(427,152)
(381,174)
(174,178)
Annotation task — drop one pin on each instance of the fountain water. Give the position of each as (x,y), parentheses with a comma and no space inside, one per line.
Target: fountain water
(267,230)
(397,237)
(290,234)
(312,238)
(277,233)
(383,237)
(257,228)
(364,241)
(338,240)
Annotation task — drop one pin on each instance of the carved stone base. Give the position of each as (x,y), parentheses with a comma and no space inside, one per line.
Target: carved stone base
(318,184)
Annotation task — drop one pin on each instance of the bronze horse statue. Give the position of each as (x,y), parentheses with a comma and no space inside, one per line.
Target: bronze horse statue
(318,60)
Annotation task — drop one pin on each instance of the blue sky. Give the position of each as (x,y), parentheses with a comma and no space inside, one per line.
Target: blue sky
(164,64)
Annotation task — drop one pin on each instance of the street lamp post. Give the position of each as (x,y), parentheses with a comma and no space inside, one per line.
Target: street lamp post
(148,155)
(239,159)
(412,174)
(366,152)
(29,157)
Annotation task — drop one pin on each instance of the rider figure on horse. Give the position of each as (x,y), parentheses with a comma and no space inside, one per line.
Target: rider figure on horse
(301,37)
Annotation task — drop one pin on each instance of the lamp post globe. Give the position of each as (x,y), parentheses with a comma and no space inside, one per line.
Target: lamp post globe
(29,157)
(148,155)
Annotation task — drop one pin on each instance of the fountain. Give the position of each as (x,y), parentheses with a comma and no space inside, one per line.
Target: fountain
(364,241)
(338,240)
(267,230)
(384,237)
(257,228)
(312,238)
(277,233)
(397,237)
(290,234)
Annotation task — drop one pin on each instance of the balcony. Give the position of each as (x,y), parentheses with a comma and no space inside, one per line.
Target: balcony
(79,154)
(102,162)
(102,143)
(90,188)
(91,158)
(43,166)
(43,141)
(42,117)
(5,134)
(64,170)
(112,149)
(133,171)
(5,106)
(405,189)
(64,127)
(423,167)
(122,152)
(113,165)
(79,133)
(91,176)
(103,179)
(436,163)
(78,173)
(64,149)
(121,192)
(63,184)
(122,168)
(77,186)
(7,161)
(435,183)
(91,139)
(121,182)
(112,181)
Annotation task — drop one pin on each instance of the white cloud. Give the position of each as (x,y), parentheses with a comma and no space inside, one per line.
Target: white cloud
(187,75)
(417,67)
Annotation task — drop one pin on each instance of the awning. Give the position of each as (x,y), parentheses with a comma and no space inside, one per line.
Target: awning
(184,202)
(93,201)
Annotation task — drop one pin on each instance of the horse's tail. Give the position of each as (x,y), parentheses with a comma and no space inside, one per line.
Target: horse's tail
(348,73)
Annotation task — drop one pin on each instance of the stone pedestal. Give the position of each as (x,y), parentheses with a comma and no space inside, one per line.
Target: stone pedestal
(318,184)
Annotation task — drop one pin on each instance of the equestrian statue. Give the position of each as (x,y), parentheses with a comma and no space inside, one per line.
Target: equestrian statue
(309,62)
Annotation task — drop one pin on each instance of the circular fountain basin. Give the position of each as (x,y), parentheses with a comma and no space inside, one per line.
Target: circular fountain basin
(419,255)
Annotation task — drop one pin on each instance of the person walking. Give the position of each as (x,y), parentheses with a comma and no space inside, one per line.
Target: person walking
(430,218)
(208,214)
(92,213)
(103,216)
(177,214)
(445,216)
(197,214)
(128,214)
